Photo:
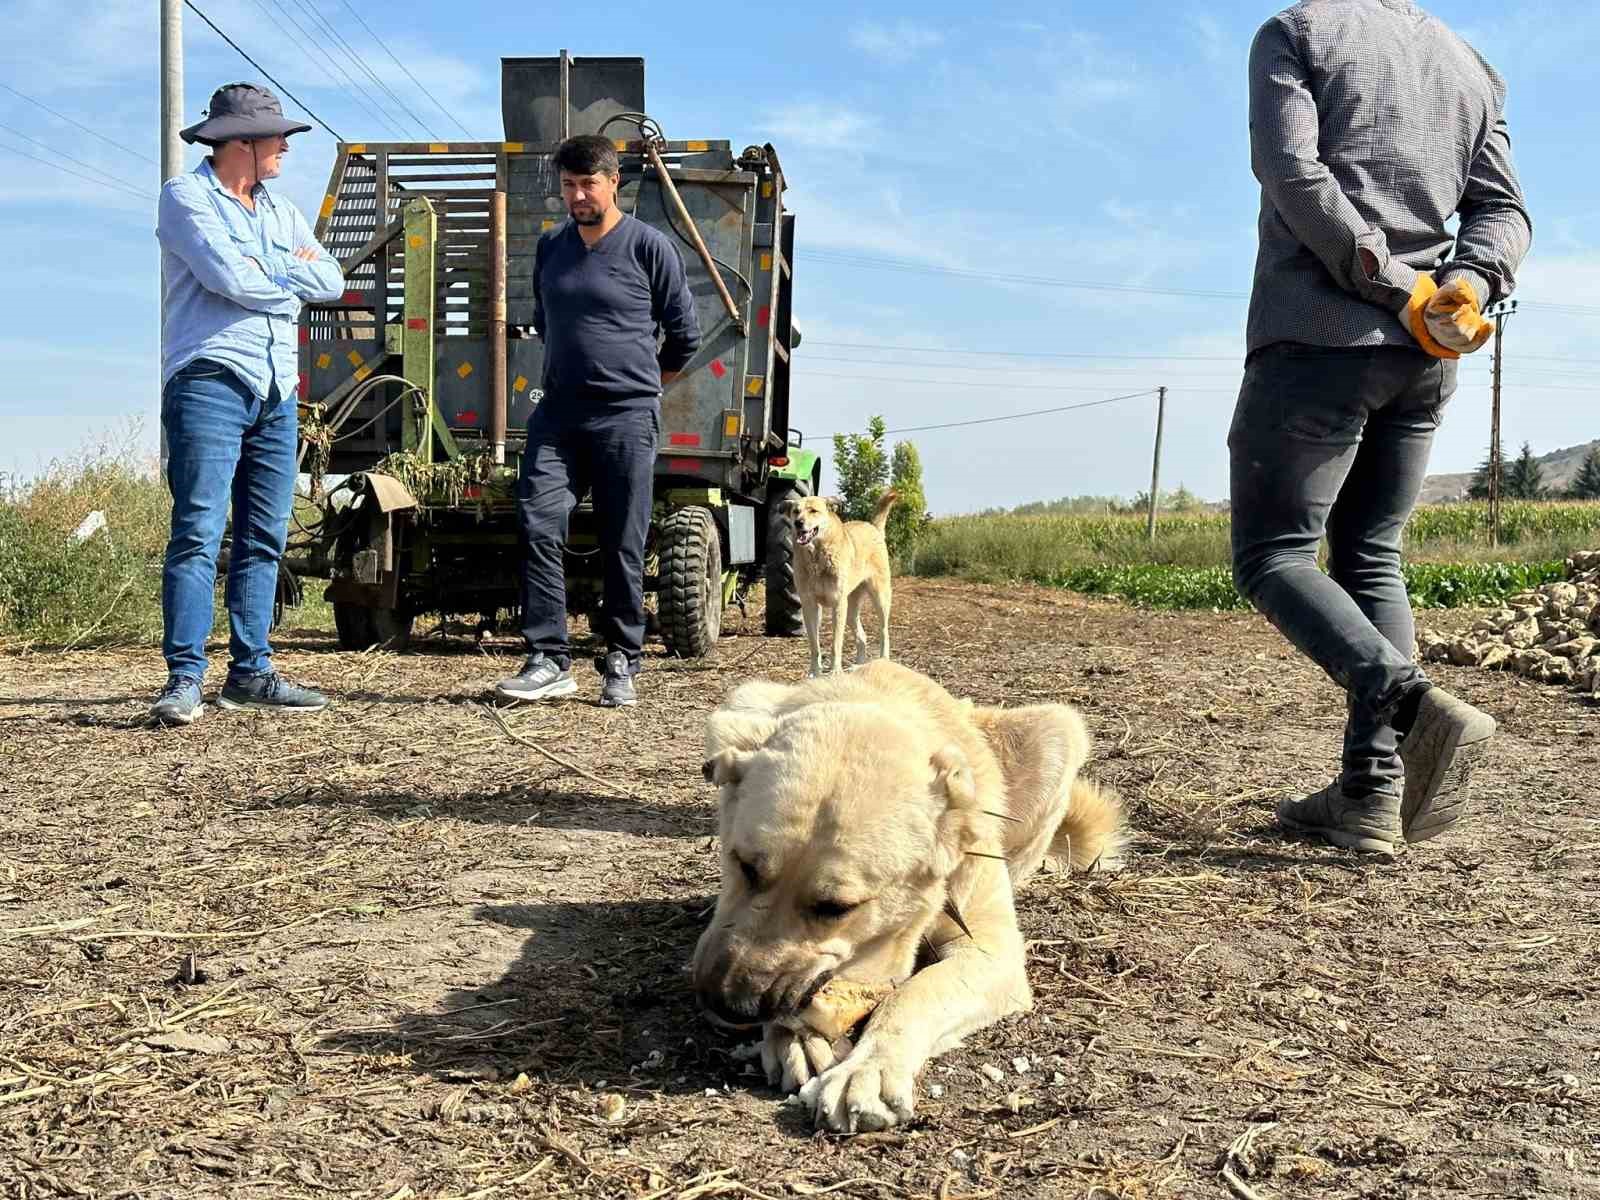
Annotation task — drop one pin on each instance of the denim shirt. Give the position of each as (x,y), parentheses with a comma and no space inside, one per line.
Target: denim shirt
(220,305)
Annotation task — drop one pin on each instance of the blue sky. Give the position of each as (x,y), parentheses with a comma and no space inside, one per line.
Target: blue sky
(1088,142)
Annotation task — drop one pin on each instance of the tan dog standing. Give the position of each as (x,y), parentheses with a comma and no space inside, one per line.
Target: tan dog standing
(872,830)
(836,564)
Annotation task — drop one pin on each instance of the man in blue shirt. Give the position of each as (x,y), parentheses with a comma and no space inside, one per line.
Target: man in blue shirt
(237,263)
(605,286)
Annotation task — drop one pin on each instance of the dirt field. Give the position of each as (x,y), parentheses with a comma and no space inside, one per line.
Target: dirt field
(426,942)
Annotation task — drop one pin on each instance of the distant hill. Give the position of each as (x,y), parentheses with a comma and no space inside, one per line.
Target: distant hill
(1560,468)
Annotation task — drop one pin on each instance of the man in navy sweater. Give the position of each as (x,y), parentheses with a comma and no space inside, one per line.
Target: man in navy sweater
(606,287)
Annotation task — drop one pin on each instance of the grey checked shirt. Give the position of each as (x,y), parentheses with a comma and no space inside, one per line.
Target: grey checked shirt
(1371,125)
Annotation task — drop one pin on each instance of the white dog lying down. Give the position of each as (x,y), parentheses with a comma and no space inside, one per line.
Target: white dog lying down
(873,828)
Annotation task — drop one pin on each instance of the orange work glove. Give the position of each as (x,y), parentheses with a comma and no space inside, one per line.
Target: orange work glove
(1454,320)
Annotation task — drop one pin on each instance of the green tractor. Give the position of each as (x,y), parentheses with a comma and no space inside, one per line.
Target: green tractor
(416,385)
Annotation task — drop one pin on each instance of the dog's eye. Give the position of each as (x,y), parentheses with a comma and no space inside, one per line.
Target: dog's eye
(751,875)
(832,910)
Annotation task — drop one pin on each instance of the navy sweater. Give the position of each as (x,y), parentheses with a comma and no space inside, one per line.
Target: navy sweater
(599,310)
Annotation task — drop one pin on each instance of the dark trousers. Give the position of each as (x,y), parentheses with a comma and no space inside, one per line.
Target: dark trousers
(1334,443)
(610,453)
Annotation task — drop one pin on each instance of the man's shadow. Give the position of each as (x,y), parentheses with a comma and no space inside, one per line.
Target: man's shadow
(599,991)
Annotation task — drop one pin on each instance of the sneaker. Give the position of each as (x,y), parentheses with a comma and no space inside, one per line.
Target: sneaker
(271,692)
(617,691)
(541,678)
(179,702)
(1370,823)
(1439,752)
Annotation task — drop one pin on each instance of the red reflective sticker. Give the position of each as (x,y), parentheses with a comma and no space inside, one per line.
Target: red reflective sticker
(305,334)
(717,368)
(420,324)
(305,386)
(468,416)
(683,439)
(686,466)
(355,297)
(764,315)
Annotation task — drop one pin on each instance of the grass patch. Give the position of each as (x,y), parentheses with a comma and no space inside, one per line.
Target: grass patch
(1449,560)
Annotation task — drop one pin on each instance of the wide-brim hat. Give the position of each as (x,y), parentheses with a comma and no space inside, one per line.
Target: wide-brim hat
(241,110)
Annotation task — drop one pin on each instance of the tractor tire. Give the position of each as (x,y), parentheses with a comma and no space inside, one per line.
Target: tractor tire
(783,597)
(690,598)
(363,628)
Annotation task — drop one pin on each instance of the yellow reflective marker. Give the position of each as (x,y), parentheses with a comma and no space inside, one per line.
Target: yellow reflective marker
(754,385)
(520,382)
(546,225)
(355,358)
(327,206)
(324,361)
(438,148)
(730,425)
(766,262)
(766,189)
(358,148)
(697,145)
(514,147)
(621,144)
(362,373)
(464,370)
(417,241)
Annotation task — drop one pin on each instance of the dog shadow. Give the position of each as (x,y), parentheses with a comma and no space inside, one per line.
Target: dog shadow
(598,997)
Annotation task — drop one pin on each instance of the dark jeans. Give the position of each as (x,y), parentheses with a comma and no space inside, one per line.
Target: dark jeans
(612,454)
(1335,442)
(224,445)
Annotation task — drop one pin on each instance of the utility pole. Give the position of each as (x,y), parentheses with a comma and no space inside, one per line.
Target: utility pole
(1502,313)
(171,122)
(1155,469)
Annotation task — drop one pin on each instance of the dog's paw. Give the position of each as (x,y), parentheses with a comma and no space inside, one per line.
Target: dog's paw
(793,1059)
(862,1094)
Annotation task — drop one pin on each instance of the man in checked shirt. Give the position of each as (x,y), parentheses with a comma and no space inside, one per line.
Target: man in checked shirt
(1371,125)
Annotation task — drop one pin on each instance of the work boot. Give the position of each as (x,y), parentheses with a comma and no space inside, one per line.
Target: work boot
(179,702)
(269,692)
(617,691)
(541,678)
(1445,742)
(1370,824)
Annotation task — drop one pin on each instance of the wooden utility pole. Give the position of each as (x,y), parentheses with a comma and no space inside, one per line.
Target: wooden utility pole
(171,143)
(1501,313)
(1155,468)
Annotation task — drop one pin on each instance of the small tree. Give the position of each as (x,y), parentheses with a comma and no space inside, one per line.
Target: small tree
(1525,479)
(910,515)
(863,469)
(1479,488)
(1587,484)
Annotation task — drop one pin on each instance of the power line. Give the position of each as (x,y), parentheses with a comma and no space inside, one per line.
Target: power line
(965,383)
(109,177)
(373,35)
(97,182)
(1237,358)
(191,6)
(80,125)
(308,44)
(356,57)
(1038,412)
(888,264)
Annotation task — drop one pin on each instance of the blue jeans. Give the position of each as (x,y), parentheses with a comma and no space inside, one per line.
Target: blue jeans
(224,444)
(610,453)
(1334,443)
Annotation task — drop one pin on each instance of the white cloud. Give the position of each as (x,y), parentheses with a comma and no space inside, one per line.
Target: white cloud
(812,125)
(897,43)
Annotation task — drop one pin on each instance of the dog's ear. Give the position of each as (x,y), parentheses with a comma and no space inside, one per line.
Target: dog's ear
(789,507)
(727,767)
(954,777)
(836,505)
